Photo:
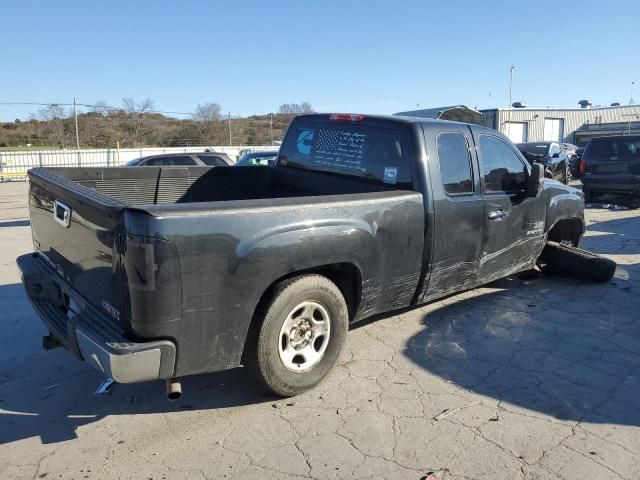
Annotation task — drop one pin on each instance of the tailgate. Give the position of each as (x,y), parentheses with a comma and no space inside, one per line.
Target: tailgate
(77,229)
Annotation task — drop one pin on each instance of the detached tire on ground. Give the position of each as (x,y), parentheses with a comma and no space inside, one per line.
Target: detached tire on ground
(558,258)
(303,330)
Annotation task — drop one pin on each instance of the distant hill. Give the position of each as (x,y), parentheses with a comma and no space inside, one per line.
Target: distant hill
(105,129)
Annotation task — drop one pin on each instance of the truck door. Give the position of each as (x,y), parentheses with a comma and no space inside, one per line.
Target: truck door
(514,222)
(458,209)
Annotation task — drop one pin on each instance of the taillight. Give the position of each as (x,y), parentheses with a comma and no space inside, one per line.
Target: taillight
(153,281)
(346,117)
(583,166)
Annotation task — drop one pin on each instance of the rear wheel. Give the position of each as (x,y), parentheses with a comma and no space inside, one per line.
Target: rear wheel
(303,331)
(561,258)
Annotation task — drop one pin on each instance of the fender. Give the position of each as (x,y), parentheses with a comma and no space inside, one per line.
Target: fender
(563,203)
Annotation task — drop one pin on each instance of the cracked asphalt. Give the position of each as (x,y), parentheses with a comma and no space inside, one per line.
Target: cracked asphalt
(531,377)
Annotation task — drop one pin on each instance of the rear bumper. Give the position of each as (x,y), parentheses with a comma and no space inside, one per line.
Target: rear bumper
(88,333)
(616,184)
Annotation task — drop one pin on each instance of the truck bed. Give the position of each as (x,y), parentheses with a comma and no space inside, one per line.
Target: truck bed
(157,185)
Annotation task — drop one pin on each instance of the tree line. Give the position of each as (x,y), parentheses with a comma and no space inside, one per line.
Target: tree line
(137,124)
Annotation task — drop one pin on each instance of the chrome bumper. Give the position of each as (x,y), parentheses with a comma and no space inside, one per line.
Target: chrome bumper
(88,333)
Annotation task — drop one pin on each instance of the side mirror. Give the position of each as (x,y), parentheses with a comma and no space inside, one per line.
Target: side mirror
(535,180)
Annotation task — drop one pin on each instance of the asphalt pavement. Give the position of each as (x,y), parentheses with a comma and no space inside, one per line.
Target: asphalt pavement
(530,377)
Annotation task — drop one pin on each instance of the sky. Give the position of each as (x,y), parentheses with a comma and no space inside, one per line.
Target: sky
(343,56)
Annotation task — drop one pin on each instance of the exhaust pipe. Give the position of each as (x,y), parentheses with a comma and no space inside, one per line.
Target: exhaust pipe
(174,389)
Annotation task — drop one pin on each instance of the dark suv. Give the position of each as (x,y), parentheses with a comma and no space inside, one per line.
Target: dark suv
(611,165)
(551,155)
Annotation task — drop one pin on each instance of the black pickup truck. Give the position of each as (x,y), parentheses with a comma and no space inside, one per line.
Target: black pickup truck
(158,273)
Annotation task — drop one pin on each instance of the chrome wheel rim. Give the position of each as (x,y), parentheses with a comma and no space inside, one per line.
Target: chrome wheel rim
(304,336)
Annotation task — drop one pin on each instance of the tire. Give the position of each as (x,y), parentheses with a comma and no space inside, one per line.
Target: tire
(558,258)
(309,303)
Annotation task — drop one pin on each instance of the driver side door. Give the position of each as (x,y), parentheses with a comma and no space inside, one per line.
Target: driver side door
(514,222)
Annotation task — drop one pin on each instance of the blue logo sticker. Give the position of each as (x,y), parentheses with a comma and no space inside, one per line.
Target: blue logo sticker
(390,175)
(305,137)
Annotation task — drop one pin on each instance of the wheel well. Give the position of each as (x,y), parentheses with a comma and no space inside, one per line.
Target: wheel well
(568,229)
(346,276)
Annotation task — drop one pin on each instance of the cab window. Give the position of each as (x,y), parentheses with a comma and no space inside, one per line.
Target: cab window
(455,163)
(501,169)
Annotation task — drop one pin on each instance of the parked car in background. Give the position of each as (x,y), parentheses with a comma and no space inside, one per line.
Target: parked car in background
(550,155)
(611,165)
(572,158)
(575,165)
(261,158)
(210,159)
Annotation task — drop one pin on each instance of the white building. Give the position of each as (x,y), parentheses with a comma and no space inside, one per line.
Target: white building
(572,125)
(575,125)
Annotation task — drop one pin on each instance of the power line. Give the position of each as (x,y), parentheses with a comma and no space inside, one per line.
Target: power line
(110,107)
(105,107)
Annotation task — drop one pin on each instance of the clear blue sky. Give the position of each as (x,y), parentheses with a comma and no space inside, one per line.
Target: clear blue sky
(359,56)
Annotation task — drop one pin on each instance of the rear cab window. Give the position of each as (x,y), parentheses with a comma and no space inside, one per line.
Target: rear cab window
(379,154)
(455,163)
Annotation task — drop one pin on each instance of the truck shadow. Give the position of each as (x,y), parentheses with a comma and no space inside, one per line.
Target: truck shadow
(55,410)
(565,349)
(51,394)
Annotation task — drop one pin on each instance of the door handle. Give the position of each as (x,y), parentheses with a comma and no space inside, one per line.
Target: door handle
(497,215)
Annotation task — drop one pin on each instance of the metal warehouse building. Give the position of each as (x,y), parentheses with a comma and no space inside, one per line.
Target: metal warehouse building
(574,125)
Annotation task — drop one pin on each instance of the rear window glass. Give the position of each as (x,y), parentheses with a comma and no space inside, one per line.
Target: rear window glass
(613,148)
(533,147)
(212,160)
(375,153)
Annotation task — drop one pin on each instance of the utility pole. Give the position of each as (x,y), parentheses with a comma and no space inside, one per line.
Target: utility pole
(229,128)
(511,82)
(75,115)
(271,127)
(631,97)
(510,91)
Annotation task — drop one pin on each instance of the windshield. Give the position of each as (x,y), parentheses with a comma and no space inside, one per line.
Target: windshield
(376,153)
(258,159)
(533,147)
(133,163)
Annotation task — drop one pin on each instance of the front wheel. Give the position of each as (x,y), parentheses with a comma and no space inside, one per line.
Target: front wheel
(303,330)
